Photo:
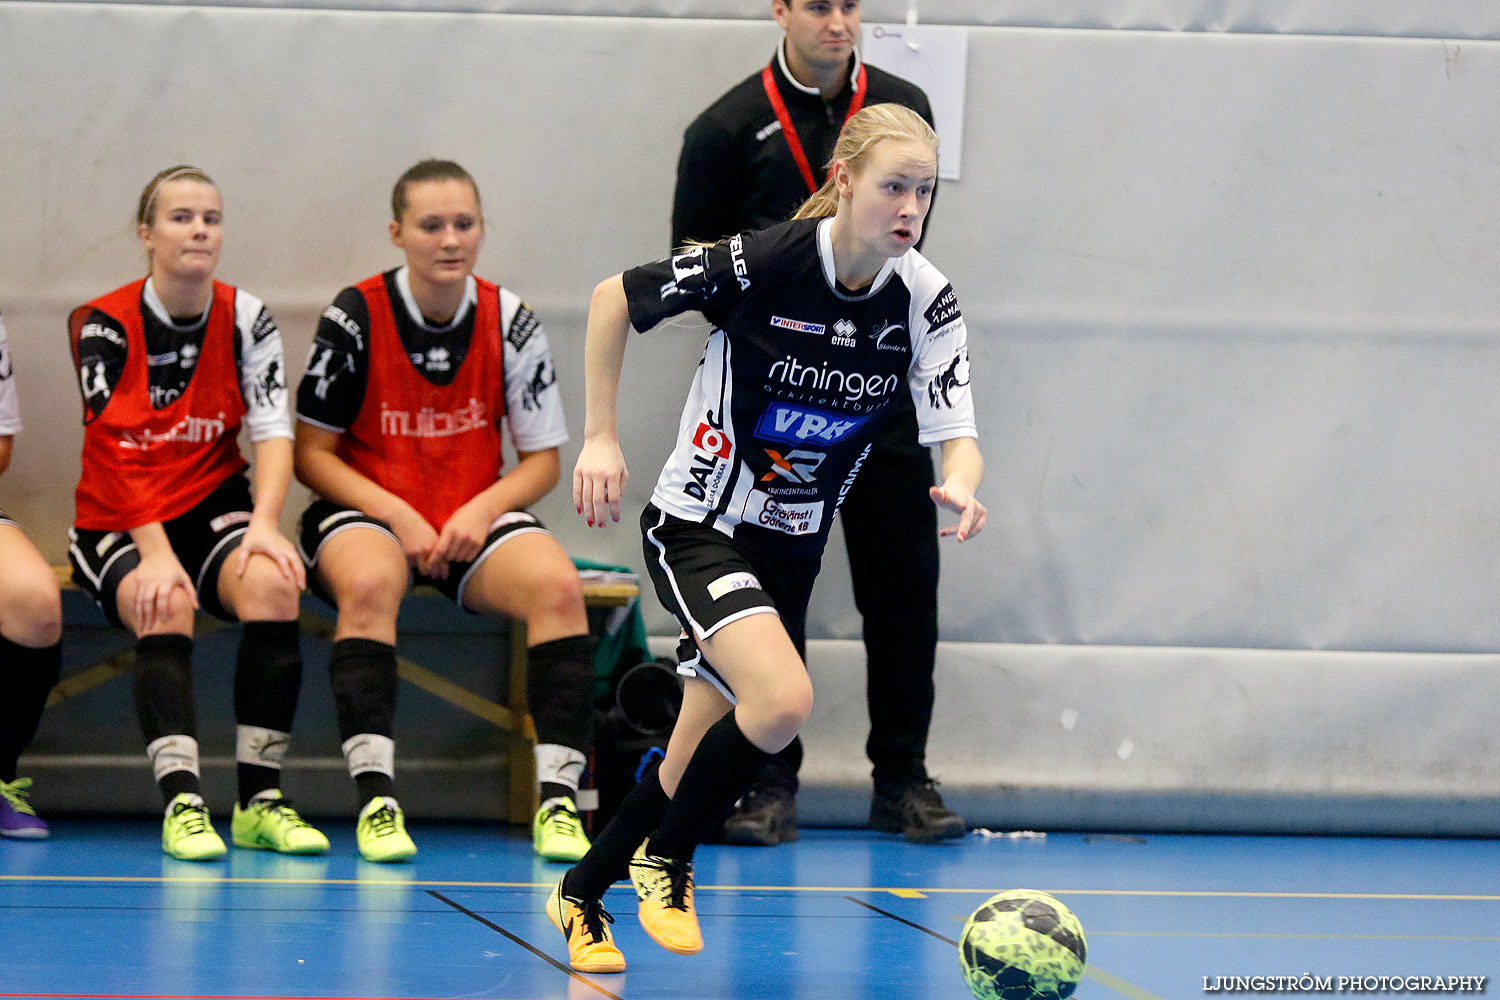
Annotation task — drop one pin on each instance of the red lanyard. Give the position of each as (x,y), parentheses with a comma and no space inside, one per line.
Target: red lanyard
(768,79)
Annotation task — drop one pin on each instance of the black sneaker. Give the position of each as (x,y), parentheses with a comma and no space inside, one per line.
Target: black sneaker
(916,810)
(765,817)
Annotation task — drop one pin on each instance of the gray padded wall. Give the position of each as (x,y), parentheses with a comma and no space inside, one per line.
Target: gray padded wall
(1229,295)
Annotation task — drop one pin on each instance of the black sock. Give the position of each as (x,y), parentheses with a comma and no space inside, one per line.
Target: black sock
(164,686)
(267,682)
(608,860)
(720,770)
(164,700)
(34,673)
(174,783)
(363,675)
(555,790)
(560,690)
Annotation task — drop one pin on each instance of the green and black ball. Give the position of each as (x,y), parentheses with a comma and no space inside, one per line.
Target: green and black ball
(1022,945)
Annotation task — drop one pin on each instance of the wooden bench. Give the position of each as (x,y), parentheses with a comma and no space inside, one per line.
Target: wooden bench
(511,718)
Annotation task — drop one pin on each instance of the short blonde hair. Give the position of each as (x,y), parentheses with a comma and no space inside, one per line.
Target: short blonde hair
(861,134)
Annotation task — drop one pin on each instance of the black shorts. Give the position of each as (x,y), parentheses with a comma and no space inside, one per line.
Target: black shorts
(201,539)
(323,519)
(7,519)
(706,581)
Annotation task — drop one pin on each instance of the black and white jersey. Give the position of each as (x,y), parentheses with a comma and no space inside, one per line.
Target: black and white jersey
(333,387)
(10,406)
(172,348)
(796,377)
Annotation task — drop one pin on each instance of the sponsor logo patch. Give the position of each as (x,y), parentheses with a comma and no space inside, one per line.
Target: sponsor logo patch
(711,440)
(796,466)
(522,327)
(799,424)
(853,388)
(800,326)
(944,309)
(263,327)
(730,582)
(791,518)
(843,333)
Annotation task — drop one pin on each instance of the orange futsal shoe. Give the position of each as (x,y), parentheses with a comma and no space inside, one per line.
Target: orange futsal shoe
(585,923)
(665,888)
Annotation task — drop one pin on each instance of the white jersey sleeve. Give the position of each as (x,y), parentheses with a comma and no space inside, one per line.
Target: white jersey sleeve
(10,405)
(939,373)
(533,403)
(262,370)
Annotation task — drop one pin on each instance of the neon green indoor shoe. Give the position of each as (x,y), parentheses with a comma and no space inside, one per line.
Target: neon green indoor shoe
(186,833)
(381,831)
(556,833)
(270,823)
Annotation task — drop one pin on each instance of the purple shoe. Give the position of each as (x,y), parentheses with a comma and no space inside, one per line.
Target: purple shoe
(17,818)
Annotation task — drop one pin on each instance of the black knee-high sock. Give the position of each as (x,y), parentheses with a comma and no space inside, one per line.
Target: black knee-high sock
(719,772)
(267,681)
(559,688)
(608,859)
(164,701)
(363,676)
(31,674)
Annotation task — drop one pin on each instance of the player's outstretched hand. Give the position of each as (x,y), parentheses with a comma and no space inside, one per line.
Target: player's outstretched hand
(971,513)
(599,480)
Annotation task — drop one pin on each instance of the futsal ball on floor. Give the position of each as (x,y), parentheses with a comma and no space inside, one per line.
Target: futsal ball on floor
(1022,945)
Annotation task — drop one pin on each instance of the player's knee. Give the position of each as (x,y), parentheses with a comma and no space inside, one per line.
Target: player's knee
(371,592)
(263,593)
(34,617)
(782,710)
(561,596)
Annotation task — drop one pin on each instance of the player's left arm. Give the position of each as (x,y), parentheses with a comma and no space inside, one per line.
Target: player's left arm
(463,534)
(262,373)
(939,381)
(963,471)
(538,427)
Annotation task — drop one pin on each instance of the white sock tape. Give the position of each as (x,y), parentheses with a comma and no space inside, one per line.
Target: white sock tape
(559,764)
(263,747)
(173,753)
(369,752)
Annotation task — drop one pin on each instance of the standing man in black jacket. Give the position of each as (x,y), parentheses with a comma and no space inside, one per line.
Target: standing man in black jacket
(748,162)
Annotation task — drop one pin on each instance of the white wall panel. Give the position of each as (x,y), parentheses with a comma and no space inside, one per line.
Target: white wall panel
(1230,293)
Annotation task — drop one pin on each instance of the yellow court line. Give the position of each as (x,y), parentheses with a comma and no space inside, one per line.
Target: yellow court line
(902,892)
(1120,986)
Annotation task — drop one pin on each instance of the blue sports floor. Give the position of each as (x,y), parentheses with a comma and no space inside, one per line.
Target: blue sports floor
(98,911)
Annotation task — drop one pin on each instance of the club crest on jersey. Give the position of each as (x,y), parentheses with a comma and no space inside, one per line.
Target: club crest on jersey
(802,424)
(942,389)
(799,326)
(689,275)
(888,337)
(796,466)
(843,333)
